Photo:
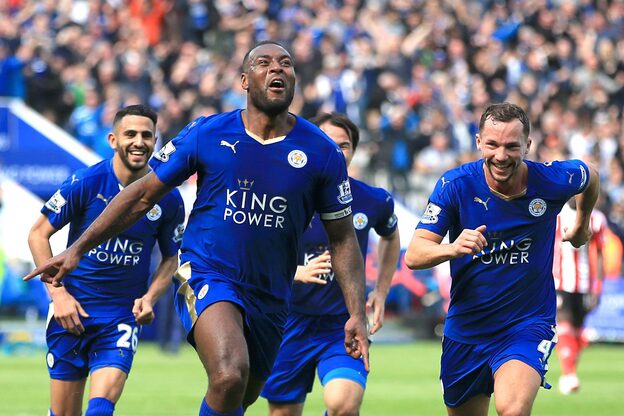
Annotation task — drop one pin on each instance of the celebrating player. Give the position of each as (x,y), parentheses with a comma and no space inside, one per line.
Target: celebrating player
(578,276)
(500,213)
(99,311)
(313,336)
(262,173)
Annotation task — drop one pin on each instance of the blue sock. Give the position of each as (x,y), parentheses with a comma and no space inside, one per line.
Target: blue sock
(325,414)
(99,406)
(206,410)
(51,413)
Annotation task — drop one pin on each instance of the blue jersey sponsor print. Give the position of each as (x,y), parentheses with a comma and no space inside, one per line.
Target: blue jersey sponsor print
(373,208)
(509,284)
(112,275)
(254,199)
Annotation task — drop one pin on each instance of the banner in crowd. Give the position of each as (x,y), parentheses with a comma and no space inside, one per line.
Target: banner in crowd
(35,153)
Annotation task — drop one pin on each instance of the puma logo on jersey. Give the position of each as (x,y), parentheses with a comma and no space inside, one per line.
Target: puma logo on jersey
(482,202)
(571,175)
(444,181)
(231,146)
(100,196)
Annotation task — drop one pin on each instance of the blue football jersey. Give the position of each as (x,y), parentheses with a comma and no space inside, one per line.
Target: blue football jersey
(509,284)
(254,199)
(112,275)
(372,208)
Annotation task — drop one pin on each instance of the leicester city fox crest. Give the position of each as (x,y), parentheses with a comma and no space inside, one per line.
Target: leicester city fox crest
(360,220)
(297,159)
(537,207)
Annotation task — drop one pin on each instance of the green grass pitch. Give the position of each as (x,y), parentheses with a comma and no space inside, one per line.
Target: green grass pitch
(403,382)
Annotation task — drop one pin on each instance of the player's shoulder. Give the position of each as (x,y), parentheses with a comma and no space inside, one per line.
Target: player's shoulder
(304,124)
(218,119)
(213,121)
(547,169)
(460,174)
(313,135)
(91,173)
(362,190)
(559,173)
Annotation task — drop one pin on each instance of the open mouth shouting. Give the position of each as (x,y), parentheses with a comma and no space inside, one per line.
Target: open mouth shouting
(277,85)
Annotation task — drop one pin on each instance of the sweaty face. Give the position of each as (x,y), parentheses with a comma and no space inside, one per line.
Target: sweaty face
(133,140)
(503,148)
(341,138)
(270,79)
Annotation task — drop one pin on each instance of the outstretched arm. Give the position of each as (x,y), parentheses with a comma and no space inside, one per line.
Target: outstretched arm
(585,201)
(388,252)
(349,270)
(143,309)
(426,251)
(123,211)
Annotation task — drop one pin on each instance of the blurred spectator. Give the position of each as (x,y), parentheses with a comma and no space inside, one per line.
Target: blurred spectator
(436,158)
(84,122)
(11,77)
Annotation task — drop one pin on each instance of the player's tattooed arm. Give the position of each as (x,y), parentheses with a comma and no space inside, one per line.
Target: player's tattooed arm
(425,250)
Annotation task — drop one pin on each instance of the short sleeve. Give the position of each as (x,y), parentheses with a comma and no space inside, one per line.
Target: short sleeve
(62,207)
(334,193)
(177,160)
(441,209)
(388,221)
(571,177)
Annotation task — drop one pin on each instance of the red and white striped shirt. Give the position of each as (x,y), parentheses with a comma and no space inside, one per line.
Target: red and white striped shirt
(576,269)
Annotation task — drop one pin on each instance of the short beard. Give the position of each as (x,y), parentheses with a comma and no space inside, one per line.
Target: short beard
(514,169)
(126,162)
(272,108)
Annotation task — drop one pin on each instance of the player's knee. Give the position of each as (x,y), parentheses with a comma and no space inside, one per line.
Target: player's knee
(515,408)
(229,382)
(345,406)
(342,397)
(343,409)
(99,406)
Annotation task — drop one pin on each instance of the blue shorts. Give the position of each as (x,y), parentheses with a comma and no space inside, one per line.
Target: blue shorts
(468,369)
(263,331)
(311,343)
(106,342)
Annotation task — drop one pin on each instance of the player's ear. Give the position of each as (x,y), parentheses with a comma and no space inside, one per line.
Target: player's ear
(528,146)
(478,141)
(112,140)
(244,81)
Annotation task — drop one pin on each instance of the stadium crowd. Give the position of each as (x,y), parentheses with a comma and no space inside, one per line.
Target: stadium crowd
(415,74)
